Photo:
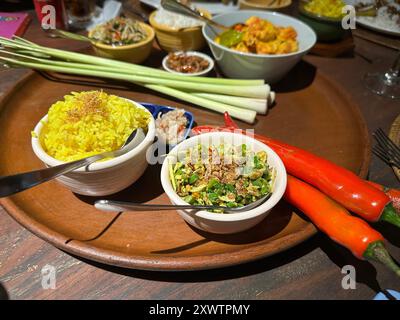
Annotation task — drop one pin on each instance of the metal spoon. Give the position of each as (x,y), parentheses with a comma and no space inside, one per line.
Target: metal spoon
(109,205)
(16,183)
(176,6)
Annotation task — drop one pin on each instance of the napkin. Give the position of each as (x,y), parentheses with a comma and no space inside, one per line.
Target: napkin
(383,296)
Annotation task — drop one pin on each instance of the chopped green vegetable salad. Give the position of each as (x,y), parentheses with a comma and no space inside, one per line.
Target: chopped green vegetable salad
(224,175)
(119,31)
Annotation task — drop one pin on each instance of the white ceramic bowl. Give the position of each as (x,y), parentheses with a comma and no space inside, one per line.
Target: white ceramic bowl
(191,53)
(232,222)
(106,177)
(272,68)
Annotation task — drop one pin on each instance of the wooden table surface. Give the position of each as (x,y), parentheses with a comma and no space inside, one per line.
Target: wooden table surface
(311,270)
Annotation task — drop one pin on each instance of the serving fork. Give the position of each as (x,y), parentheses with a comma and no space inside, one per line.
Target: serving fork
(386,149)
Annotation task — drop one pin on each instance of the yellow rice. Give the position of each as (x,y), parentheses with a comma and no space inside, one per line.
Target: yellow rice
(88,123)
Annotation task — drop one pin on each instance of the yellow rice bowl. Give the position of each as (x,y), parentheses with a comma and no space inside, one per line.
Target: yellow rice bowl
(88,123)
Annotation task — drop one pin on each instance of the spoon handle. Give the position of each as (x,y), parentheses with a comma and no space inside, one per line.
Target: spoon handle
(22,181)
(10,185)
(108,205)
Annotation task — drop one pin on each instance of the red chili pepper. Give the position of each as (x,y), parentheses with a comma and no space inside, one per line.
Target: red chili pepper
(393,194)
(335,221)
(337,182)
(229,121)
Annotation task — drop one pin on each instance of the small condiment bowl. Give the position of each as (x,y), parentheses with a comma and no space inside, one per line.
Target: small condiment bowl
(157,110)
(171,39)
(190,53)
(103,177)
(134,53)
(232,222)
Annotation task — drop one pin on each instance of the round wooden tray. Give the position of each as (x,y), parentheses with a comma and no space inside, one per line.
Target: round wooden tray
(316,115)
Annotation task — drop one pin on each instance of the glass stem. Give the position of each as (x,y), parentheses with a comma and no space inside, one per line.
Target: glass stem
(395,69)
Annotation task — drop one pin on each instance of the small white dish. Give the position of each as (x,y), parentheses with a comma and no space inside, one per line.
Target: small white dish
(230,222)
(193,53)
(104,177)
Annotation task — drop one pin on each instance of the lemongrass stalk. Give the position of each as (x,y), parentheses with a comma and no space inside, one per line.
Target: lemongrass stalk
(238,113)
(35,57)
(142,70)
(244,91)
(271,98)
(31,54)
(79,57)
(24,41)
(248,116)
(258,105)
(42,58)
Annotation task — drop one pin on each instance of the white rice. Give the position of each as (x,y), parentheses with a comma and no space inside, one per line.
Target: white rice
(384,20)
(175,20)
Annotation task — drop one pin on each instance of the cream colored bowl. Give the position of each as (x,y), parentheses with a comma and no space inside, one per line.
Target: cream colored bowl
(105,177)
(184,39)
(134,53)
(229,222)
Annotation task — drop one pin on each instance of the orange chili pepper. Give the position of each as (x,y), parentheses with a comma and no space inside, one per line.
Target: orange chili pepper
(334,220)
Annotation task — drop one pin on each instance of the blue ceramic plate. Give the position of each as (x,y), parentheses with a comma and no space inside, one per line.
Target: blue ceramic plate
(156,109)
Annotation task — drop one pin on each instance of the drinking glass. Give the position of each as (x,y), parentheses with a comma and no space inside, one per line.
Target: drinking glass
(387,83)
(80,12)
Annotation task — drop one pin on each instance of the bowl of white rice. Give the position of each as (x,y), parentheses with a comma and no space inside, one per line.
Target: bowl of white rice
(177,32)
(387,19)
